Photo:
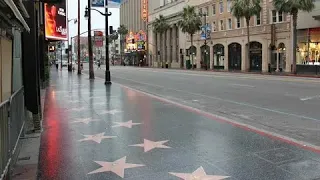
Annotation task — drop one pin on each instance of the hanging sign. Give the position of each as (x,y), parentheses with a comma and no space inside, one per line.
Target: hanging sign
(144,10)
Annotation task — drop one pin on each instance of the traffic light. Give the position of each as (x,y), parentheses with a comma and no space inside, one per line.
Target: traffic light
(132,41)
(111,30)
(66,51)
(52,48)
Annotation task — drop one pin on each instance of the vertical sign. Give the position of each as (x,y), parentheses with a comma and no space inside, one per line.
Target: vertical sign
(98,38)
(56,21)
(144,10)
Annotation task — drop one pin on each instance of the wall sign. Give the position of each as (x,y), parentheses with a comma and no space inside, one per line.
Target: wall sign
(144,10)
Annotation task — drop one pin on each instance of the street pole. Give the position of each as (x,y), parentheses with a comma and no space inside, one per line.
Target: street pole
(91,71)
(107,73)
(61,55)
(78,47)
(205,41)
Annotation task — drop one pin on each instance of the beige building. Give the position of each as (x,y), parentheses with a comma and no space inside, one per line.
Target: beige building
(226,48)
(173,42)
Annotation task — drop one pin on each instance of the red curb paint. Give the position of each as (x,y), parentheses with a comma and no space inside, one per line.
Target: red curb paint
(220,119)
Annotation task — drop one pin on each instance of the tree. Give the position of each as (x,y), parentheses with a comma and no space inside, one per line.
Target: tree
(246,9)
(112,38)
(190,23)
(293,7)
(160,26)
(123,31)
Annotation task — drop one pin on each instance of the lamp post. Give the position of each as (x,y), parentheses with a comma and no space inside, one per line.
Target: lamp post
(70,66)
(78,40)
(106,14)
(88,17)
(205,39)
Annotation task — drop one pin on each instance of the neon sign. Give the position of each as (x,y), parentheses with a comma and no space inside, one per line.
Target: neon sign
(144,10)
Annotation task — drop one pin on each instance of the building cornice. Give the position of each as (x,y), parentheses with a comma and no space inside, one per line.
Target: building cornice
(165,7)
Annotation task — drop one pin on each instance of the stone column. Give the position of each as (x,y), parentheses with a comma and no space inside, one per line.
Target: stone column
(226,57)
(265,59)
(174,44)
(168,43)
(244,57)
(158,57)
(163,49)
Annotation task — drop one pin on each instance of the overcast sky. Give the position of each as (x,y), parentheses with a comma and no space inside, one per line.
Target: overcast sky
(97,20)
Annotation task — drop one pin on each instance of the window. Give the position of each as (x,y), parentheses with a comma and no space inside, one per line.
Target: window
(214,9)
(221,6)
(258,19)
(276,16)
(229,23)
(214,26)
(221,25)
(229,3)
(207,11)
(238,23)
(280,17)
(200,10)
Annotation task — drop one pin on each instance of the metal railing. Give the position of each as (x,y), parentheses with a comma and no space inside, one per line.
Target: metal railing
(4,139)
(12,120)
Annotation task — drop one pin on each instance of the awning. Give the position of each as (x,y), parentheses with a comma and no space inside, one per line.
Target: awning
(17,13)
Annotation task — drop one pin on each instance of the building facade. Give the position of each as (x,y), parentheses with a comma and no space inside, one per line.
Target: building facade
(308,39)
(168,48)
(134,16)
(226,43)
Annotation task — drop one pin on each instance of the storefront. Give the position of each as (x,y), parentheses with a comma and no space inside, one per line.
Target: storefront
(308,46)
(135,52)
(218,56)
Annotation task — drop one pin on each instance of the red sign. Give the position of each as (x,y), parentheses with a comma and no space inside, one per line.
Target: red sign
(144,10)
(98,38)
(56,21)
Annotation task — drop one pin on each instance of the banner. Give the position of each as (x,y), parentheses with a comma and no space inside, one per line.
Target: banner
(98,3)
(98,38)
(144,10)
(56,21)
(114,3)
(205,32)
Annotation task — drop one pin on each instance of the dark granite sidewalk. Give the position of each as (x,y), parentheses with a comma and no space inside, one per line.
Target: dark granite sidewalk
(93,131)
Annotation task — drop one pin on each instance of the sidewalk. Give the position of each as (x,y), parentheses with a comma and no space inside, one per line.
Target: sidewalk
(93,131)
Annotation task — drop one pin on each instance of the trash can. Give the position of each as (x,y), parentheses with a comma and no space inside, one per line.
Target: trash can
(188,64)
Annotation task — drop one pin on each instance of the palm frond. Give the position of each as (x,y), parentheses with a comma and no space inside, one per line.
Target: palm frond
(293,6)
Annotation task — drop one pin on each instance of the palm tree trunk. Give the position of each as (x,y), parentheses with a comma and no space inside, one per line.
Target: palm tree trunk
(121,47)
(294,54)
(191,38)
(248,49)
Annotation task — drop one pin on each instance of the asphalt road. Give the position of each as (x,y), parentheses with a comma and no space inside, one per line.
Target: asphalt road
(288,106)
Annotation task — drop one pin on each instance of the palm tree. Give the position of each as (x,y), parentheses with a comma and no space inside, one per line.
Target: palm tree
(190,23)
(246,9)
(113,37)
(293,7)
(160,26)
(123,31)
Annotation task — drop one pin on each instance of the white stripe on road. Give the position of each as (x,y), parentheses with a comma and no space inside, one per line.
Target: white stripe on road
(243,85)
(310,98)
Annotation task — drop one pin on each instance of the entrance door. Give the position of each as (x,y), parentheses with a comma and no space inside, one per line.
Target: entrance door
(255,56)
(234,56)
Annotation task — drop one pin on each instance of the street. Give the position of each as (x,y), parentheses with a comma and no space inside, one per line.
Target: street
(287,106)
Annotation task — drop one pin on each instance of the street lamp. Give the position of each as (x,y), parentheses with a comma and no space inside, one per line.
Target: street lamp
(106,14)
(70,66)
(205,39)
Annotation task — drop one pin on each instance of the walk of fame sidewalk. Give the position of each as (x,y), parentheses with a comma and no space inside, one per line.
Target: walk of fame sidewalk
(93,131)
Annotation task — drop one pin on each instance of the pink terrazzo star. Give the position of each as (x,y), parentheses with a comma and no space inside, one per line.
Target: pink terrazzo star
(85,120)
(116,167)
(199,174)
(149,145)
(127,124)
(96,137)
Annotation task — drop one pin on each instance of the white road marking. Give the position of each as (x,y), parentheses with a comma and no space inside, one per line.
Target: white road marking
(310,98)
(195,100)
(243,85)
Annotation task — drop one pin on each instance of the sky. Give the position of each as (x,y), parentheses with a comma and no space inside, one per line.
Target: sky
(97,20)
